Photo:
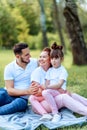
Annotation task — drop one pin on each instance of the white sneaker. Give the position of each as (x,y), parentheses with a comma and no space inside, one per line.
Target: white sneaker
(45,117)
(56,118)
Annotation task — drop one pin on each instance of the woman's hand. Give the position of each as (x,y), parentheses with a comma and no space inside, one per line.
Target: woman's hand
(37,88)
(39,92)
(61,91)
(67,92)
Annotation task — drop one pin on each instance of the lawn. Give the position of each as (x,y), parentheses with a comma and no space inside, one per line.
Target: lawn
(77,79)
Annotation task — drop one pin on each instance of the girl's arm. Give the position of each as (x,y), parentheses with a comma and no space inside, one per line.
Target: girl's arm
(56,86)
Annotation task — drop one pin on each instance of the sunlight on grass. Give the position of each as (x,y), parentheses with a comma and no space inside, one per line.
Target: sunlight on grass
(77,80)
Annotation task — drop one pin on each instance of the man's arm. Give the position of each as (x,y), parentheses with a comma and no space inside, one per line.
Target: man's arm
(17,92)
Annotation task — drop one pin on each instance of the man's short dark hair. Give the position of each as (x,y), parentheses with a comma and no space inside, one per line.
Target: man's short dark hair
(18,47)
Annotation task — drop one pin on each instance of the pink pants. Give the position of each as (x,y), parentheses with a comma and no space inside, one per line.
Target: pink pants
(49,95)
(75,102)
(39,106)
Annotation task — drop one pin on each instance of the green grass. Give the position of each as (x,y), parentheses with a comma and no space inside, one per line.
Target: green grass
(77,79)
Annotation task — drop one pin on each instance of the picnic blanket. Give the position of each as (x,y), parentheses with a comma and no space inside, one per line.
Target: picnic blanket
(28,120)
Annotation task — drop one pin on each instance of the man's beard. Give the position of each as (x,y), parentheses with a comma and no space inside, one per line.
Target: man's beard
(26,62)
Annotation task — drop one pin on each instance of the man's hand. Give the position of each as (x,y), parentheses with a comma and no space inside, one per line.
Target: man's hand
(33,89)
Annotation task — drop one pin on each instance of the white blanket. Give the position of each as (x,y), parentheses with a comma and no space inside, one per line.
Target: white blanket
(30,121)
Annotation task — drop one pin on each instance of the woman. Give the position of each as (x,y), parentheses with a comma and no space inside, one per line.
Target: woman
(38,76)
(72,101)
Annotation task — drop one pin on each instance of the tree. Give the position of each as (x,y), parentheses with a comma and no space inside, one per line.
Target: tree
(78,45)
(58,24)
(43,23)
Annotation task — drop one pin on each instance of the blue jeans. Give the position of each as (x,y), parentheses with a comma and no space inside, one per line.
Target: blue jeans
(10,104)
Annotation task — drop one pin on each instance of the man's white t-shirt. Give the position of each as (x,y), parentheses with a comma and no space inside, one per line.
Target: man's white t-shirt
(20,76)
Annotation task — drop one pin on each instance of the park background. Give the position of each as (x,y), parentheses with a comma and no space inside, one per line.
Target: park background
(42,22)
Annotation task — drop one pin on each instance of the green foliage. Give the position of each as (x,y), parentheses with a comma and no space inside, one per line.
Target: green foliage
(20,21)
(13,27)
(29,12)
(52,38)
(21,26)
(35,41)
(55,37)
(8,32)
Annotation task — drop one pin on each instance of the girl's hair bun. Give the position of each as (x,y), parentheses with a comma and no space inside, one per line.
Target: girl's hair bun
(55,46)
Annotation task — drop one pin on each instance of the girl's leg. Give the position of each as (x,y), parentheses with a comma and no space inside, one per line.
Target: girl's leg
(46,106)
(79,98)
(67,101)
(49,95)
(37,106)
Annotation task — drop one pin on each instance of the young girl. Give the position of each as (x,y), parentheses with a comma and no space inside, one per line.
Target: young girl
(56,78)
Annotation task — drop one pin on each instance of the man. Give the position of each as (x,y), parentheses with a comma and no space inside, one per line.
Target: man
(17,81)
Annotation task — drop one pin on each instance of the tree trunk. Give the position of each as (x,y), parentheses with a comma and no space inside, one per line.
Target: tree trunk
(78,45)
(58,24)
(43,24)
